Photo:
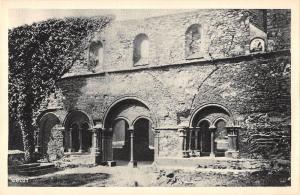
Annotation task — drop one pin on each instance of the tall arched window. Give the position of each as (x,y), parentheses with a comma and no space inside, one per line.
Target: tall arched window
(193,41)
(141,50)
(96,55)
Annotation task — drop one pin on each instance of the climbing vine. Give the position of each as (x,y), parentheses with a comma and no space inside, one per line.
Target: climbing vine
(39,54)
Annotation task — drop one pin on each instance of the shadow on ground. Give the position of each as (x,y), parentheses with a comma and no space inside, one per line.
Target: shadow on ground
(66,180)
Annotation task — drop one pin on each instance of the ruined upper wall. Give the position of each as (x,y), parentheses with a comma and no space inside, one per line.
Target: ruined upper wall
(223,33)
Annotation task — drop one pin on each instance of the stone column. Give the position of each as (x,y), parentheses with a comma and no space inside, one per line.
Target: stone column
(61,129)
(182,141)
(212,141)
(80,139)
(70,140)
(95,148)
(156,144)
(132,162)
(37,141)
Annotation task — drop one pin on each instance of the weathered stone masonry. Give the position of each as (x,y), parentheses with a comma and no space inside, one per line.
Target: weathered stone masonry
(181,95)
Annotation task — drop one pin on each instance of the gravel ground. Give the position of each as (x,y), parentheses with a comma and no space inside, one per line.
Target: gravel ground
(146,175)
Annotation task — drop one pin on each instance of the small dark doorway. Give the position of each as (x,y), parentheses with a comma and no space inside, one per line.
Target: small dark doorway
(86,138)
(143,140)
(75,138)
(204,138)
(121,140)
(221,138)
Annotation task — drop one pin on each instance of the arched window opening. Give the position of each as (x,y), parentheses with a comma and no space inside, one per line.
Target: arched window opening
(221,132)
(193,41)
(96,54)
(141,50)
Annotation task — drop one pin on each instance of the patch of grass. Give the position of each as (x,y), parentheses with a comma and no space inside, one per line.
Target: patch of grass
(66,180)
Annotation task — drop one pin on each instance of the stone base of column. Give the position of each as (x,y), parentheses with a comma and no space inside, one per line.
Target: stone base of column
(80,151)
(198,153)
(193,153)
(212,155)
(185,154)
(232,154)
(69,150)
(97,159)
(37,149)
(132,164)
(111,163)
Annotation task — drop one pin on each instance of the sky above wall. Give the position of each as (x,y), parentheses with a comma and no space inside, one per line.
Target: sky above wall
(18,17)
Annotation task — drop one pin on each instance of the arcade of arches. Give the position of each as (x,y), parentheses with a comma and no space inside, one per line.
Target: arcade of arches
(129,133)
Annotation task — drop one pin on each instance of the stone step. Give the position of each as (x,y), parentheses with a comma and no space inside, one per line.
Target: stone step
(42,166)
(16,168)
(33,169)
(26,165)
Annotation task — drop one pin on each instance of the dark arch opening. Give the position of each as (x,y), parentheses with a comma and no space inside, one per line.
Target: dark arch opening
(204,138)
(121,140)
(144,140)
(141,49)
(78,138)
(43,137)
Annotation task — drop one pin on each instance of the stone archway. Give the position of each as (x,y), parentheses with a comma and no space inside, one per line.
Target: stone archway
(49,139)
(208,133)
(78,136)
(125,124)
(144,140)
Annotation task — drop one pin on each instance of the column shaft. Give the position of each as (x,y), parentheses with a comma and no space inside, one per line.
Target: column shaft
(156,144)
(80,140)
(212,150)
(70,140)
(131,145)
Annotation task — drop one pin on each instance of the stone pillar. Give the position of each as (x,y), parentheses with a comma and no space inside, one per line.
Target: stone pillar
(80,140)
(37,141)
(70,140)
(232,151)
(132,162)
(212,142)
(182,141)
(61,129)
(156,144)
(95,149)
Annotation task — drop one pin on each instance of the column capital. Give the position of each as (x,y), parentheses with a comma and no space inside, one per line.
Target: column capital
(62,128)
(182,128)
(212,128)
(97,127)
(131,129)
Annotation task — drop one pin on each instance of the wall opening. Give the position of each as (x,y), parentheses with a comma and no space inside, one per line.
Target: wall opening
(141,50)
(121,140)
(193,42)
(96,55)
(143,140)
